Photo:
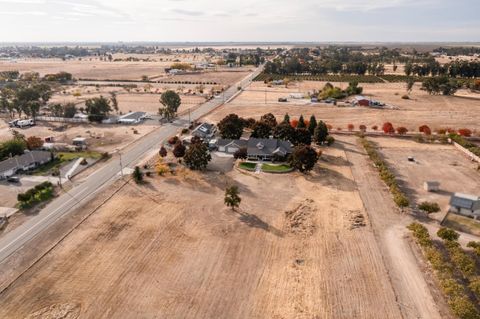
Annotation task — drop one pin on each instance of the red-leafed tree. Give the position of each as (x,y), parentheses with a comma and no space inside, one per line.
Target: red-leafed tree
(425,130)
(350,127)
(465,132)
(294,123)
(402,130)
(388,128)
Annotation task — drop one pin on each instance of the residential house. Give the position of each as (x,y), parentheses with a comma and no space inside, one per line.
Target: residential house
(260,149)
(464,204)
(205,131)
(24,162)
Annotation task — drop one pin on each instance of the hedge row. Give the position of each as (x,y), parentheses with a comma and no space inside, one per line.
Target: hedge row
(326,77)
(38,194)
(465,143)
(457,297)
(385,174)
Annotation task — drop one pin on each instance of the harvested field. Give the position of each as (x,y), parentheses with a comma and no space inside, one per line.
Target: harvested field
(171,249)
(436,111)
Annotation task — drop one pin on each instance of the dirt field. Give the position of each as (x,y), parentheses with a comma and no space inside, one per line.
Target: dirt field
(103,137)
(422,108)
(299,247)
(442,163)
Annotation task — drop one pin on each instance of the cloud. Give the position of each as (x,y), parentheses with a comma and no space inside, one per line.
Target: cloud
(188,12)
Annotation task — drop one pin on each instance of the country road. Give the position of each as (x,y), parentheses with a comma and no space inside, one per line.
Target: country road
(61,206)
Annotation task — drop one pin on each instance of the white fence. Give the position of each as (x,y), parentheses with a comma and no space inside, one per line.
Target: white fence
(60,119)
(472,156)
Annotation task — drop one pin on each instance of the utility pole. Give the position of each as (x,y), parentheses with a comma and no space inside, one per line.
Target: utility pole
(121,166)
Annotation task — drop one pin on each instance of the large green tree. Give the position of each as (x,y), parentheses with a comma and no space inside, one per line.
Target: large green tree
(171,102)
(320,134)
(284,131)
(312,124)
(197,156)
(261,130)
(231,126)
(303,158)
(232,199)
(97,108)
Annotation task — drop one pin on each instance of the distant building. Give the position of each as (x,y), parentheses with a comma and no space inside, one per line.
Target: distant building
(464,204)
(131,118)
(24,162)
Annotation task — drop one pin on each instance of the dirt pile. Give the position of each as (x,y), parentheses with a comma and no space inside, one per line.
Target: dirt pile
(300,221)
(57,311)
(356,219)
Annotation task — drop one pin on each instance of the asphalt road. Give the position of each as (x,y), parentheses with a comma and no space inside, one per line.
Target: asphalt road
(61,206)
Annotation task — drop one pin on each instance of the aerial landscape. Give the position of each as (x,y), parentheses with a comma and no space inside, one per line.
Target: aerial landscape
(194,159)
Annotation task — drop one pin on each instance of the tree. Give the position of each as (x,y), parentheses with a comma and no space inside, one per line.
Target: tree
(312,124)
(375,127)
(232,199)
(286,118)
(410,82)
(137,175)
(321,133)
(388,128)
(231,126)
(241,153)
(269,119)
(113,99)
(34,142)
(362,128)
(171,102)
(97,108)
(443,85)
(284,131)
(350,127)
(197,156)
(161,167)
(429,207)
(402,130)
(465,132)
(425,130)
(69,110)
(261,130)
(15,146)
(179,150)
(302,136)
(447,234)
(301,122)
(303,158)
(162,152)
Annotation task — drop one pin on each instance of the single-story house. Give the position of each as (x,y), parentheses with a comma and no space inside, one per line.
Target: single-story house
(260,149)
(24,162)
(204,131)
(464,204)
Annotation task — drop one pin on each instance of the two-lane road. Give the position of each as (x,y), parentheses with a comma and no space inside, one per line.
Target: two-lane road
(61,206)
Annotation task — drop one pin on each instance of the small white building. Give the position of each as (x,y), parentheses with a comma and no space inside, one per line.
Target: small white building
(431,186)
(466,205)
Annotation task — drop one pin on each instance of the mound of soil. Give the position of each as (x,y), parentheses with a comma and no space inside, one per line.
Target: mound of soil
(300,221)
(57,311)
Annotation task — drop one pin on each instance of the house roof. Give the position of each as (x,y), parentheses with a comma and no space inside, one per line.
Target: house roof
(203,129)
(360,98)
(230,142)
(466,201)
(264,146)
(23,160)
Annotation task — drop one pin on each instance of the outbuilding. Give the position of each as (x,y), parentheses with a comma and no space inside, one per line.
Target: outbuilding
(465,204)
(431,186)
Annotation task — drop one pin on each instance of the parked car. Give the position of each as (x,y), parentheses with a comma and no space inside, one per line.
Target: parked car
(23,123)
(282,99)
(13,123)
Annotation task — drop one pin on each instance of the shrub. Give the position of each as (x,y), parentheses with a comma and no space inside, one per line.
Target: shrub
(447,234)
(330,140)
(429,207)
(425,130)
(362,127)
(350,127)
(402,130)
(388,128)
(173,140)
(405,97)
(375,127)
(465,132)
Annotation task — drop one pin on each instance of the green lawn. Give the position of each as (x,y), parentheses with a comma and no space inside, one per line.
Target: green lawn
(281,168)
(63,157)
(248,166)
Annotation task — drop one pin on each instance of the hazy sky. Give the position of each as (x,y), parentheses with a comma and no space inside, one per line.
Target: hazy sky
(239,20)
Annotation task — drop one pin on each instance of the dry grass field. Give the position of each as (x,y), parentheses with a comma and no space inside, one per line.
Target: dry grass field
(435,111)
(299,247)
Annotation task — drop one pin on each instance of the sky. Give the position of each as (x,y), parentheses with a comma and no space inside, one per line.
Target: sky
(240,20)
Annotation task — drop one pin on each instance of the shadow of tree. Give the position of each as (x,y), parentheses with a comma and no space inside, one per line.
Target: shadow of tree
(330,178)
(254,221)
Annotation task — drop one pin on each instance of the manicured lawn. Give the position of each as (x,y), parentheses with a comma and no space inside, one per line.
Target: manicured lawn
(281,168)
(247,166)
(63,157)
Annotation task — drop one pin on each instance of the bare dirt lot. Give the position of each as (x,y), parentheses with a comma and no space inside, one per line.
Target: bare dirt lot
(442,163)
(436,111)
(299,247)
